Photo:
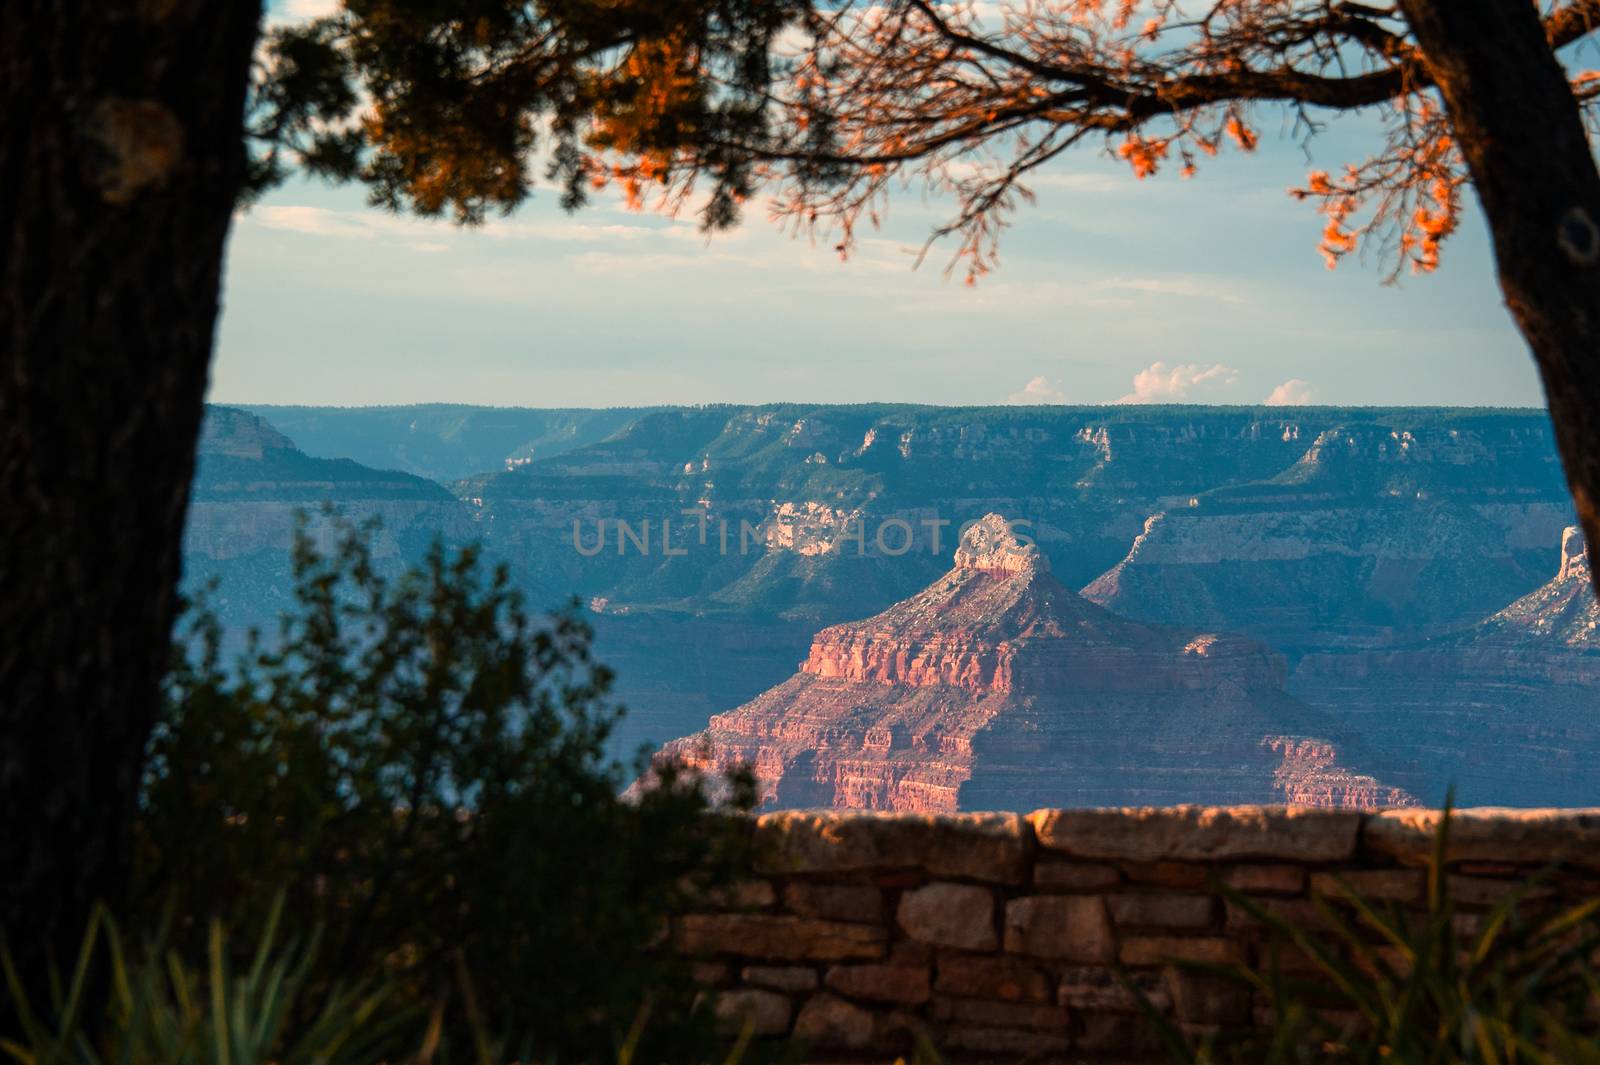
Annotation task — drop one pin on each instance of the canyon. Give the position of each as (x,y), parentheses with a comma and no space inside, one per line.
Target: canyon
(1504,711)
(997,687)
(1352,548)
(252,488)
(1375,534)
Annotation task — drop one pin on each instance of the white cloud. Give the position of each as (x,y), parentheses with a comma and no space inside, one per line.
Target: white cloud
(1160,383)
(1037,391)
(1081,181)
(321,222)
(394,230)
(1292,393)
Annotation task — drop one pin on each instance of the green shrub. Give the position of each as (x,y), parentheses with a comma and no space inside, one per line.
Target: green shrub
(1405,988)
(419,766)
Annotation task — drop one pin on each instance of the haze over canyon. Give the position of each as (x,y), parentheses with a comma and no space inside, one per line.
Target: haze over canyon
(1147,605)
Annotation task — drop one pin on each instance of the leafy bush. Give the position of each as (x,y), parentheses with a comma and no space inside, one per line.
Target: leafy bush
(419,766)
(1407,988)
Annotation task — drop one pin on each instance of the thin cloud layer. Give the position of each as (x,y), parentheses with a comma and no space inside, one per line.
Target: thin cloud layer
(1188,287)
(1161,383)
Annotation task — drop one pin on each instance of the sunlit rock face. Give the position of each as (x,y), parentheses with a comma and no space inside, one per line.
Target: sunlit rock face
(1561,614)
(1306,529)
(1310,775)
(1504,712)
(997,687)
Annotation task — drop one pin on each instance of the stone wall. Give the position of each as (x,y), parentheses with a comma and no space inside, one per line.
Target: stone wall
(999,935)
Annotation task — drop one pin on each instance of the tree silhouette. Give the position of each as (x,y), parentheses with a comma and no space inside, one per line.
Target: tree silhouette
(126,140)
(129,132)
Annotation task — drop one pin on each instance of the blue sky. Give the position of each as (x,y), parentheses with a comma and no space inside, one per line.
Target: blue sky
(1202,290)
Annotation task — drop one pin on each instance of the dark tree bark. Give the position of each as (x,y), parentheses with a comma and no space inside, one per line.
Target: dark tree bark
(1519,127)
(121,158)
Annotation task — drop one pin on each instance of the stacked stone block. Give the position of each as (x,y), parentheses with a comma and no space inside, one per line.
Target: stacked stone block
(1001,936)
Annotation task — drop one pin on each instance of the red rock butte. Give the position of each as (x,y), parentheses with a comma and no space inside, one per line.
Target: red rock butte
(997,687)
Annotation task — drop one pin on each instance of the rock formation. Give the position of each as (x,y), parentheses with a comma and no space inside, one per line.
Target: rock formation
(1561,615)
(1505,712)
(1394,518)
(1375,535)
(997,687)
(1367,546)
(252,485)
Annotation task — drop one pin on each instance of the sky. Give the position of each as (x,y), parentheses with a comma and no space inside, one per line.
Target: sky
(1205,290)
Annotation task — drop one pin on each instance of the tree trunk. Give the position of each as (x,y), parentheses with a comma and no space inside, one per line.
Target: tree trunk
(1519,127)
(121,157)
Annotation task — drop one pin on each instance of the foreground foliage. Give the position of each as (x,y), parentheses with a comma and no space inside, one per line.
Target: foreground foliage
(165,1011)
(1436,987)
(419,767)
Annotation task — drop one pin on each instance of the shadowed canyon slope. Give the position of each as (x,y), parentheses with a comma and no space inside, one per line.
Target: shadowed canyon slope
(1375,533)
(1506,712)
(252,485)
(997,687)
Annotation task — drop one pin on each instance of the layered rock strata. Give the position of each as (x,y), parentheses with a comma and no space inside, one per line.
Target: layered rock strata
(1393,519)
(1375,535)
(999,688)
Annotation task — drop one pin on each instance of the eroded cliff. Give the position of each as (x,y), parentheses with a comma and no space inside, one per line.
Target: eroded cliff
(1377,534)
(1504,711)
(997,687)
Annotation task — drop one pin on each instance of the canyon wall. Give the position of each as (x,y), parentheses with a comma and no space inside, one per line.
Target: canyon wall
(253,487)
(1367,553)
(444,441)
(1502,711)
(1377,533)
(1290,525)
(1000,936)
(997,687)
